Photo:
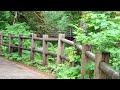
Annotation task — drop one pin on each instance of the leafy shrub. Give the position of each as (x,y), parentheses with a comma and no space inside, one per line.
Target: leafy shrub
(66,72)
(103,33)
(56,20)
(16,29)
(72,54)
(5,19)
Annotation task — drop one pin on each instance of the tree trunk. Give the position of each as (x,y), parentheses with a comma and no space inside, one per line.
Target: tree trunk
(15,17)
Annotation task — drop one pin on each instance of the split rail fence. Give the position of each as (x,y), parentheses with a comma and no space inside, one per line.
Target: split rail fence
(102,69)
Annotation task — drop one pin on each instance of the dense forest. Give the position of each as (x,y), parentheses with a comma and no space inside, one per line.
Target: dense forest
(101,29)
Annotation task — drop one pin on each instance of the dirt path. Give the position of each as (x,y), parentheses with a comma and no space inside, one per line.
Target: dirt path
(14,70)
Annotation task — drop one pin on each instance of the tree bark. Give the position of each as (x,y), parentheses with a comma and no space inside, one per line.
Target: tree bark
(15,17)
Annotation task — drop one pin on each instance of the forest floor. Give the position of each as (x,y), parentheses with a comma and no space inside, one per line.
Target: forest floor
(14,70)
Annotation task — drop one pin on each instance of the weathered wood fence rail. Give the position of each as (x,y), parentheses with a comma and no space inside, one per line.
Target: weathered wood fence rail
(102,70)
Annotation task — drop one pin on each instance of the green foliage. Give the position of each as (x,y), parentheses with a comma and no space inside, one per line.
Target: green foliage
(66,72)
(36,21)
(56,21)
(43,68)
(5,19)
(7,28)
(59,21)
(16,29)
(89,67)
(38,57)
(4,49)
(15,56)
(72,54)
(52,48)
(74,16)
(103,32)
(115,57)
(97,22)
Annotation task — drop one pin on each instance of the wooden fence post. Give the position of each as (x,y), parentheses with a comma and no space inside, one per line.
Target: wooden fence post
(73,64)
(100,57)
(1,42)
(85,60)
(45,50)
(2,38)
(10,43)
(20,45)
(60,49)
(32,47)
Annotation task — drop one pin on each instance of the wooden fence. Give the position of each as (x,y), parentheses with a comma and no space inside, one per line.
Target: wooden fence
(102,69)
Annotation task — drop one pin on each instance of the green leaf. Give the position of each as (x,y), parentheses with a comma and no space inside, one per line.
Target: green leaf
(96,27)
